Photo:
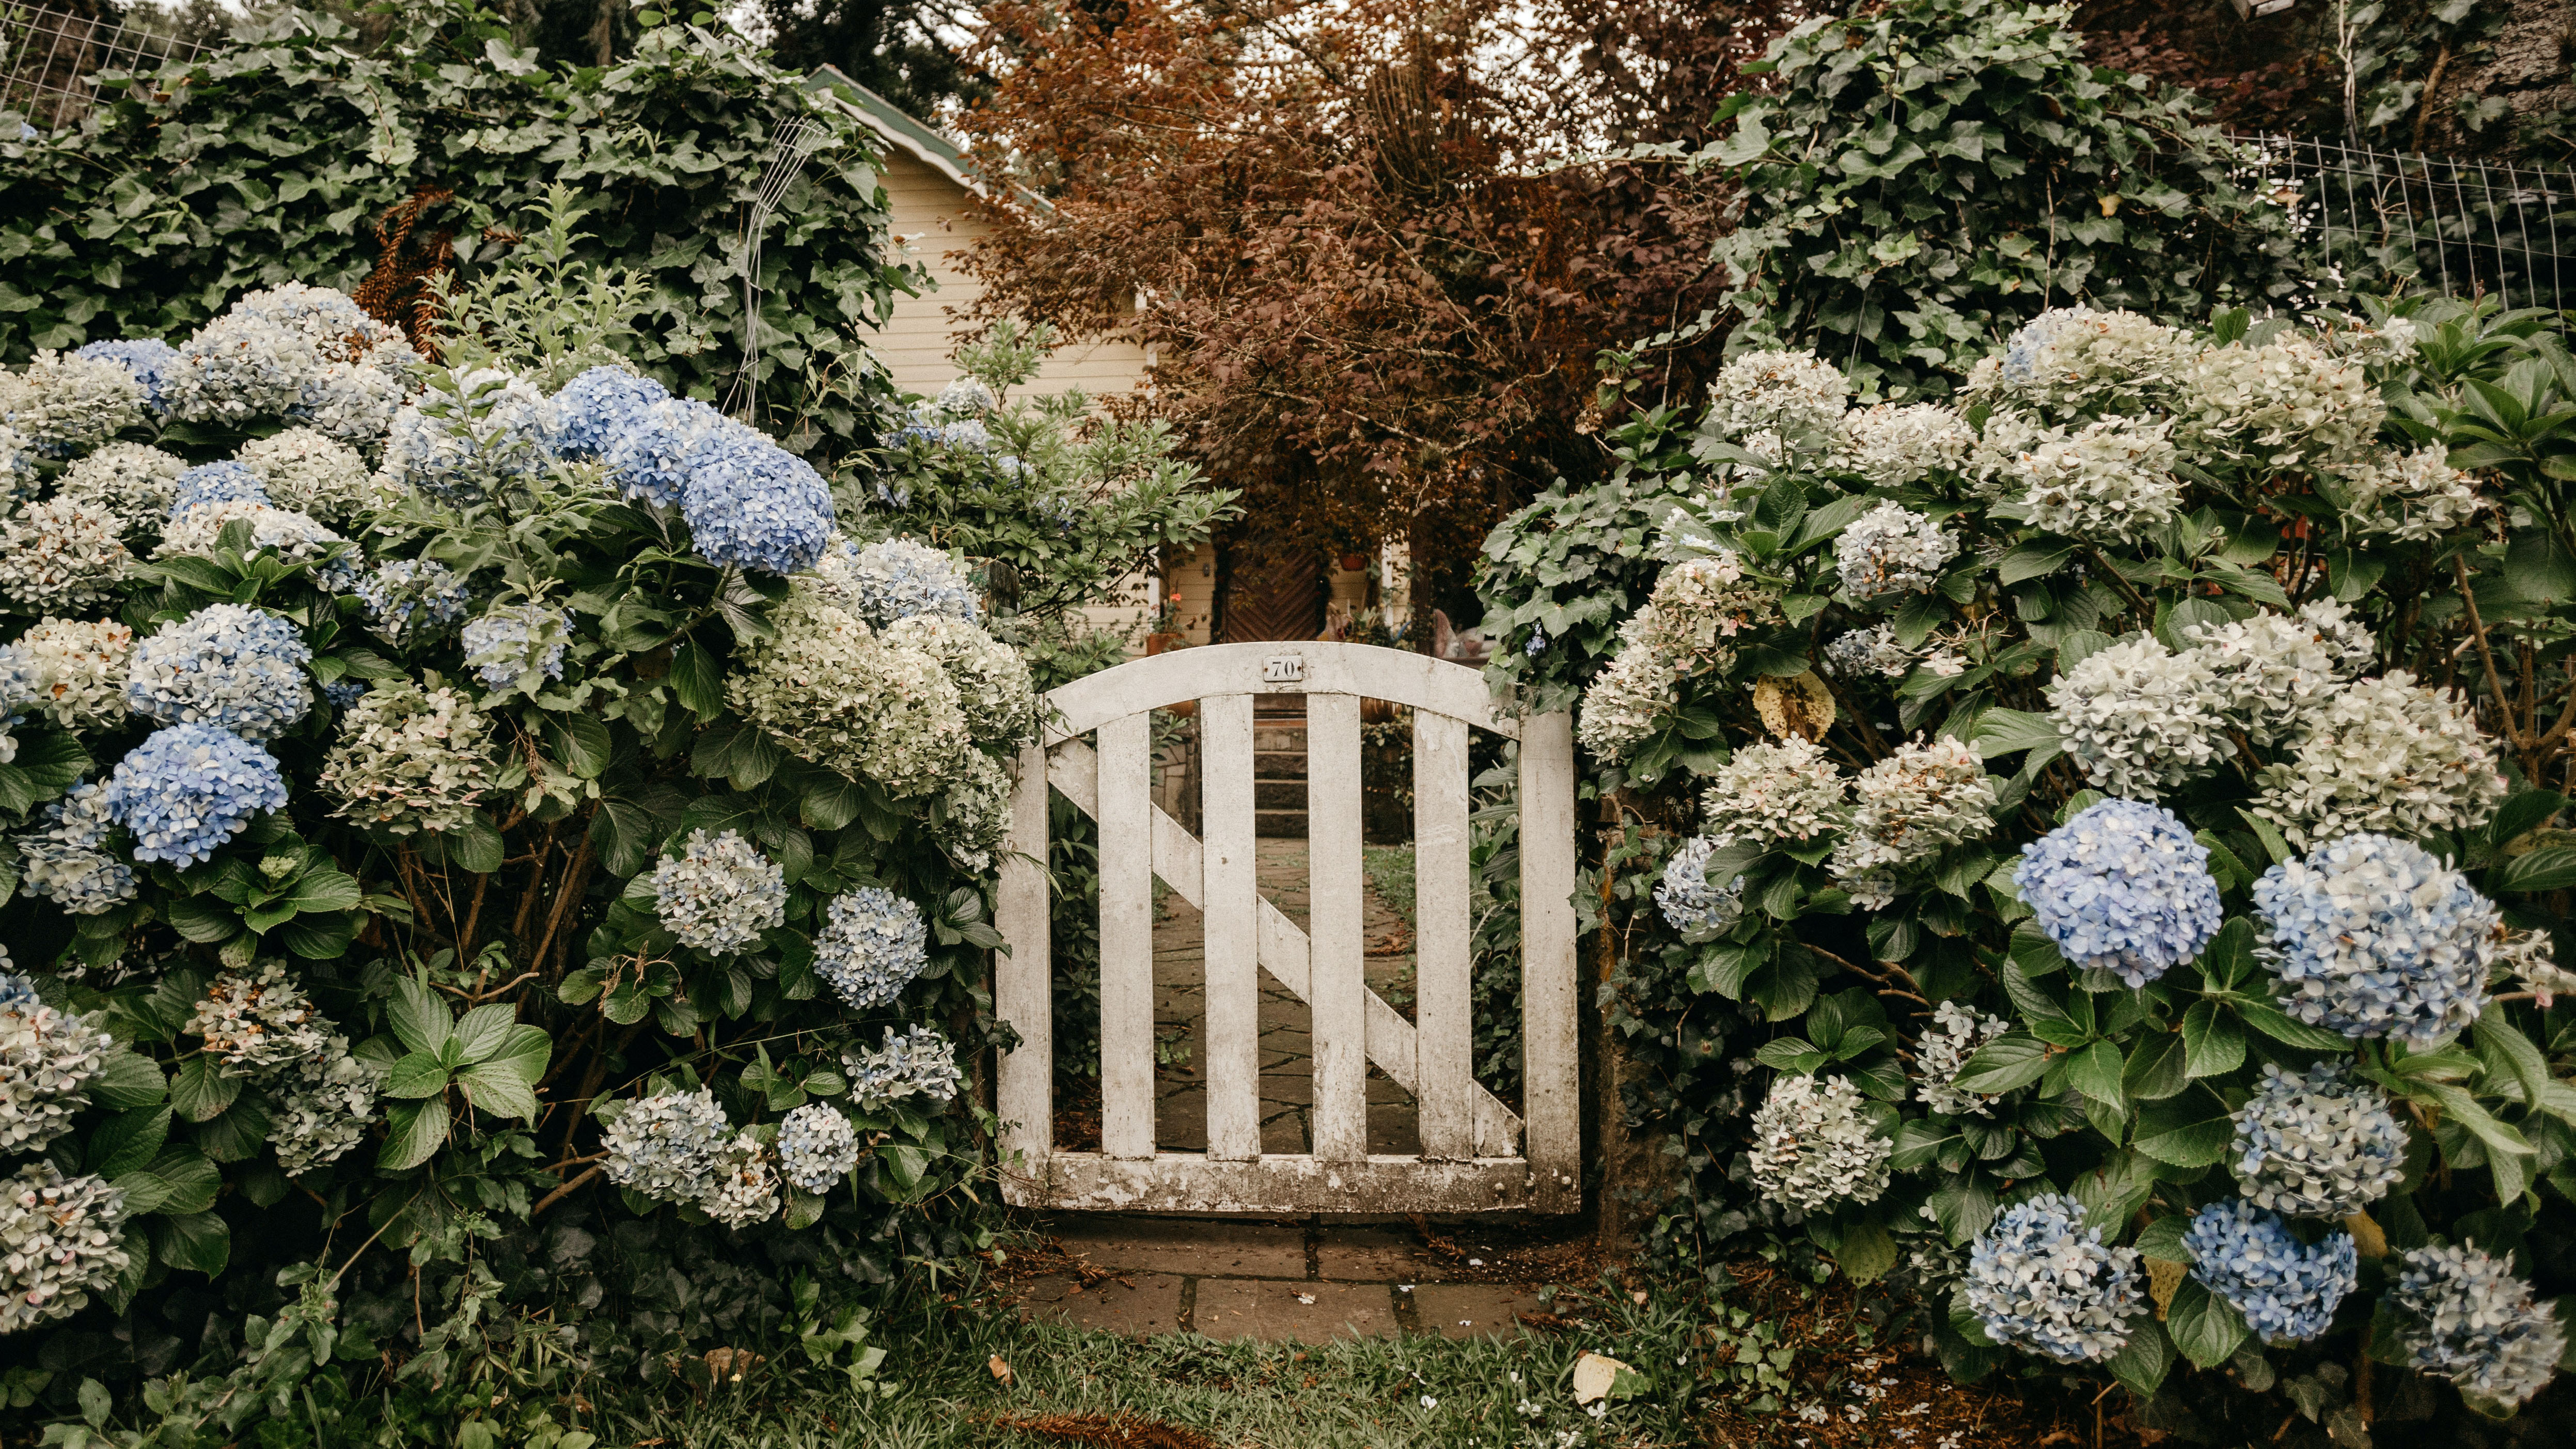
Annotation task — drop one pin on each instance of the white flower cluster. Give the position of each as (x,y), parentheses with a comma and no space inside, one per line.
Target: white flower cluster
(1815,1146)
(1891,549)
(2413,497)
(2274,668)
(129,481)
(1784,790)
(817,1147)
(2385,755)
(1908,808)
(744,1188)
(2040,1280)
(668,1147)
(312,474)
(1697,606)
(2139,718)
(844,696)
(61,1239)
(2322,1145)
(1893,444)
(872,945)
(514,646)
(916,1063)
(63,553)
(2108,482)
(63,403)
(2286,402)
(47,1059)
(258,1025)
(296,538)
(307,353)
(70,670)
(2075,357)
(1939,1054)
(1791,394)
(1863,653)
(409,760)
(993,684)
(972,817)
(66,859)
(720,893)
(2464,1316)
(322,1109)
(2531,959)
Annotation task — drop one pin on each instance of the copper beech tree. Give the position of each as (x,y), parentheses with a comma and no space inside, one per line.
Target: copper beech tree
(1380,247)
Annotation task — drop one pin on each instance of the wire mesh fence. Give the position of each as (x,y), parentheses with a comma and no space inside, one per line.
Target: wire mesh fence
(2379,221)
(50,59)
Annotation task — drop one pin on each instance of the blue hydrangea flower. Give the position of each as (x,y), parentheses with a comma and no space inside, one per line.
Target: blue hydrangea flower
(2040,1280)
(224,482)
(966,434)
(1693,904)
(2122,887)
(407,598)
(874,943)
(516,639)
(149,359)
(668,1147)
(817,1147)
(227,665)
(2287,1290)
(1537,644)
(916,1063)
(752,504)
(595,409)
(189,788)
(2323,1145)
(2377,938)
(897,579)
(344,692)
(2463,1315)
(17,993)
(647,456)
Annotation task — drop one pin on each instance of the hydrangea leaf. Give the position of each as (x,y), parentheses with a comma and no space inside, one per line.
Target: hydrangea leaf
(201,1093)
(2203,1326)
(2550,869)
(418,1017)
(2143,1362)
(419,1129)
(2014,1059)
(2156,1067)
(2213,1040)
(498,1088)
(126,1142)
(2095,1070)
(198,1241)
(2190,1130)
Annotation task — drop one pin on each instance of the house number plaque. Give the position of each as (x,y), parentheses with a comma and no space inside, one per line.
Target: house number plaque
(1283,669)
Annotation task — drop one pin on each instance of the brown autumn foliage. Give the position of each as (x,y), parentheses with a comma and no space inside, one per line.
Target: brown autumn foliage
(1378,268)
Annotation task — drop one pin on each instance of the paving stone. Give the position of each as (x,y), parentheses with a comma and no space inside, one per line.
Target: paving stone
(1242,1308)
(1145,1303)
(1467,1310)
(1178,1245)
(1368,1255)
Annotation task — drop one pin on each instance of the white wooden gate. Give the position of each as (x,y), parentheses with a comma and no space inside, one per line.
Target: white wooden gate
(1473,1155)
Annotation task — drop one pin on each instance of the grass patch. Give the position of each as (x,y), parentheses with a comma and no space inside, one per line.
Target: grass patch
(1389,869)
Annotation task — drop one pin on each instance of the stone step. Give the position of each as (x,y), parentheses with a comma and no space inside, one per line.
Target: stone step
(1278,765)
(1286,796)
(1279,824)
(1277,739)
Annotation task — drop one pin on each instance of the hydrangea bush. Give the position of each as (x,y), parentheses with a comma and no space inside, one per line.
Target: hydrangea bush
(2078,825)
(434,827)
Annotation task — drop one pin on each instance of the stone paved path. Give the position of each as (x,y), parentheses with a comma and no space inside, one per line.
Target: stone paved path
(1260,1280)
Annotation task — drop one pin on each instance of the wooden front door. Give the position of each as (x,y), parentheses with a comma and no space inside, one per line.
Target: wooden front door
(1272,591)
(1476,1155)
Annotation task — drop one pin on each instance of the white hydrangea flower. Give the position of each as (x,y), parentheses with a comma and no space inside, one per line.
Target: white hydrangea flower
(66,861)
(1891,549)
(312,473)
(1864,653)
(293,351)
(1956,1033)
(2415,497)
(47,1059)
(966,395)
(1699,605)
(2531,958)
(1909,808)
(64,404)
(993,684)
(130,481)
(973,815)
(297,537)
(2344,635)
(719,893)
(62,553)
(1893,444)
(2071,358)
(2463,1315)
(324,1104)
(917,1063)
(231,666)
(2108,482)
(70,670)
(2384,755)
(2286,402)
(1814,1145)
(817,1147)
(2321,1145)
(873,944)
(2272,669)
(744,1190)
(2139,718)
(893,579)
(840,695)
(1774,790)
(61,1239)
(2038,1279)
(1793,394)
(258,1025)
(668,1147)
(1994,464)
(409,760)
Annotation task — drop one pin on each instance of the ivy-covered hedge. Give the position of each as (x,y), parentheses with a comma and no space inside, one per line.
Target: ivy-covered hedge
(274,158)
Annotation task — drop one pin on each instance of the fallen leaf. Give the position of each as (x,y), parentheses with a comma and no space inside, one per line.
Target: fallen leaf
(1594,1374)
(1305,1297)
(1001,1370)
(1638,1297)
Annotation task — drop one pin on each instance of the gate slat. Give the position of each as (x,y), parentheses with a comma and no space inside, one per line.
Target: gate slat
(1126,817)
(1445,1009)
(1025,1093)
(1551,1096)
(1336,991)
(1230,905)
